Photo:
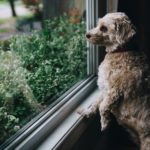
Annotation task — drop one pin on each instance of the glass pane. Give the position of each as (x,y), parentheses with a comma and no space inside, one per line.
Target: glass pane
(40,58)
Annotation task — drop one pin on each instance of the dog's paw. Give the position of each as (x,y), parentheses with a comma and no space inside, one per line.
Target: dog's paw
(104,127)
(104,123)
(83,112)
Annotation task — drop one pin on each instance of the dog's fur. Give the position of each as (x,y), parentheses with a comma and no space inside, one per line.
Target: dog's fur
(123,79)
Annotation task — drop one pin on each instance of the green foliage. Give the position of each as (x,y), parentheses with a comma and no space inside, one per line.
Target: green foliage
(56,58)
(9,124)
(16,97)
(13,78)
(37,67)
(4,45)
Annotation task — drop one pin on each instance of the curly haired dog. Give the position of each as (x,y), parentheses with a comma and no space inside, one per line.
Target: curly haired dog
(123,79)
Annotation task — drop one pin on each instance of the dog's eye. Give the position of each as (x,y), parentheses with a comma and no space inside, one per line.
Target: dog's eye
(103,29)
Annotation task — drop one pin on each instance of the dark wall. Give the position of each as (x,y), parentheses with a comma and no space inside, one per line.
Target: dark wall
(139,12)
(114,138)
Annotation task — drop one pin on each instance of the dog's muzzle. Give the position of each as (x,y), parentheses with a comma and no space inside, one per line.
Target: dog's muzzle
(94,39)
(88,35)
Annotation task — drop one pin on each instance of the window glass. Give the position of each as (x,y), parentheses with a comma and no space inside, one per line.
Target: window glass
(42,55)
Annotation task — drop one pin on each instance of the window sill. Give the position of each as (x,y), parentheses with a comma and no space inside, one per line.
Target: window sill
(56,139)
(51,127)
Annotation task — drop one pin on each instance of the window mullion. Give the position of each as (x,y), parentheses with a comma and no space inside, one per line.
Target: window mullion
(92,16)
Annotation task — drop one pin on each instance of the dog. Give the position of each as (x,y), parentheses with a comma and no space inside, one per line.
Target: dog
(123,79)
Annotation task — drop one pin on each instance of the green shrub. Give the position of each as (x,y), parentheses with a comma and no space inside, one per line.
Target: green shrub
(55,57)
(13,79)
(4,45)
(9,124)
(37,67)
(16,97)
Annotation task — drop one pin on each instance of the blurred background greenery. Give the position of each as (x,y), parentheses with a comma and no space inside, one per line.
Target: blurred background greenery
(42,54)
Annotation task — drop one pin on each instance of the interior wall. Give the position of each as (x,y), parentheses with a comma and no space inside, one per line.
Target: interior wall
(138,12)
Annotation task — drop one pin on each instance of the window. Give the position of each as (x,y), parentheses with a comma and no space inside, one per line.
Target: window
(44,65)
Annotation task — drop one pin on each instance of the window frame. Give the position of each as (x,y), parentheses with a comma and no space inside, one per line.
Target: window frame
(48,120)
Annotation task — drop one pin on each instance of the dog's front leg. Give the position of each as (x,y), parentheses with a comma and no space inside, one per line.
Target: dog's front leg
(105,108)
(91,110)
(105,115)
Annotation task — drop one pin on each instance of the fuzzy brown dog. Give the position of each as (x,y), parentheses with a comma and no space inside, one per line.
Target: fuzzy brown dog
(123,79)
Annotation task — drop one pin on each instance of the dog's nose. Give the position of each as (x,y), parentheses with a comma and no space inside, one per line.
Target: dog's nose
(88,35)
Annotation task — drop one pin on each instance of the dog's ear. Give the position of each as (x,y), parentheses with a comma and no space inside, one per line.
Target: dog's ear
(124,30)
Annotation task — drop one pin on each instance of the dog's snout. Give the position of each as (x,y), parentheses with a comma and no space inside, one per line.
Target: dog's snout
(88,35)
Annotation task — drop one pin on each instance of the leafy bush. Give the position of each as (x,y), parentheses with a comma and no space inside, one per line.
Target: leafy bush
(56,58)
(13,79)
(37,67)
(9,124)
(4,45)
(16,97)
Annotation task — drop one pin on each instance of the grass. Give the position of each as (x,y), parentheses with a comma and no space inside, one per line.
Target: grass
(4,30)
(10,21)
(25,16)
(7,20)
(2,21)
(3,2)
(5,25)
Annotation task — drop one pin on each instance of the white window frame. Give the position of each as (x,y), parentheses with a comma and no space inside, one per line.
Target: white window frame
(53,119)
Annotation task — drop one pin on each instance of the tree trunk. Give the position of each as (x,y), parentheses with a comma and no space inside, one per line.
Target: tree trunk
(51,8)
(12,5)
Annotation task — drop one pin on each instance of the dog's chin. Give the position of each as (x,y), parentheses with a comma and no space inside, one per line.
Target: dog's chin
(96,41)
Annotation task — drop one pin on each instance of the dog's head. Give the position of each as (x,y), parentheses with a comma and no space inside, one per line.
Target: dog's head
(112,31)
